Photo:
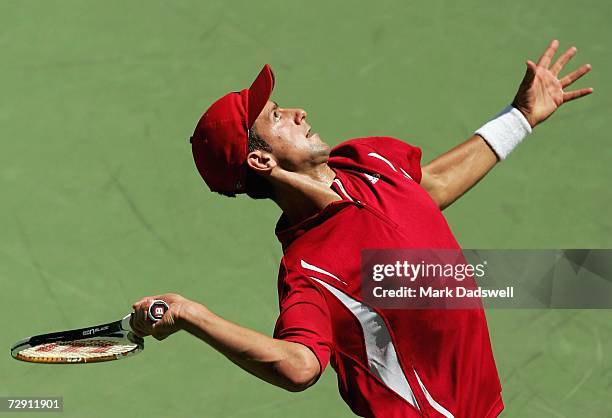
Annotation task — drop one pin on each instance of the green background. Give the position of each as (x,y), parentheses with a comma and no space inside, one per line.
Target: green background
(101,203)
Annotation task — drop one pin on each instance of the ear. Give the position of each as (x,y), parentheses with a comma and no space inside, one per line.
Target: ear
(261,161)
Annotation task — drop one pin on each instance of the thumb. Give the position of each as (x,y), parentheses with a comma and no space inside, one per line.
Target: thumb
(531,65)
(530,72)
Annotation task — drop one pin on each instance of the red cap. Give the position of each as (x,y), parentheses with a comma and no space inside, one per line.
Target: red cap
(219,143)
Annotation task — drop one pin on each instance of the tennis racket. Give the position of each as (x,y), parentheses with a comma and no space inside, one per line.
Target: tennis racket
(112,341)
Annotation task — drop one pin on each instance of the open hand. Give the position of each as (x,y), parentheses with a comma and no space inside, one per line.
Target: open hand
(541,92)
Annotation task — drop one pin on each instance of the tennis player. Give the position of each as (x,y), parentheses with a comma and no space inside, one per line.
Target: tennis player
(364,193)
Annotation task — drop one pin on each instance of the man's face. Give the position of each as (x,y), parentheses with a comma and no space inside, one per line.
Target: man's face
(294,146)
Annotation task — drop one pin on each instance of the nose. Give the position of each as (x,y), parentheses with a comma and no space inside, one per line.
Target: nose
(300,116)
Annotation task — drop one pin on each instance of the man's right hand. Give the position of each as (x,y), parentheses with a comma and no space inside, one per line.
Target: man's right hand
(170,322)
(291,366)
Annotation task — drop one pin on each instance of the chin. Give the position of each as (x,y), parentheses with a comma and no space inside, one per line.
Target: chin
(323,152)
(323,143)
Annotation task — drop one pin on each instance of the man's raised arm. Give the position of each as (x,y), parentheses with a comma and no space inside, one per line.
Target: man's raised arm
(540,94)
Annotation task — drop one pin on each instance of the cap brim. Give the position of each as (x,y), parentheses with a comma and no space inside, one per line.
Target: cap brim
(259,93)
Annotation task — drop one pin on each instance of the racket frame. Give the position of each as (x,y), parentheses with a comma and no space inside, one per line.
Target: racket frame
(119,329)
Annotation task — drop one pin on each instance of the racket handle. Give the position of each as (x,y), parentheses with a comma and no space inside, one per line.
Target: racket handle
(157,309)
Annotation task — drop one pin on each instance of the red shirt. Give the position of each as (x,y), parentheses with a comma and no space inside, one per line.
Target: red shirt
(390,362)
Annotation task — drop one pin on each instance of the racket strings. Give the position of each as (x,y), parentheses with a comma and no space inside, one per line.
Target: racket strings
(81,350)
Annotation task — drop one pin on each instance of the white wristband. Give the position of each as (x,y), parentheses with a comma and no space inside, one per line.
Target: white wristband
(505,131)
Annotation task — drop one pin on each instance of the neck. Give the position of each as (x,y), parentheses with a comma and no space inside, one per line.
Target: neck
(301,195)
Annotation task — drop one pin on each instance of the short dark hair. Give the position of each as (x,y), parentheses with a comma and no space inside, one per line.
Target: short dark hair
(256,186)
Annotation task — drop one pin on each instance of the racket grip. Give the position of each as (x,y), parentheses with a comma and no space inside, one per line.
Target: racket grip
(157,309)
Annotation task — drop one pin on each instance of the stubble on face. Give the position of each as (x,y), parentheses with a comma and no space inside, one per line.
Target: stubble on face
(294,145)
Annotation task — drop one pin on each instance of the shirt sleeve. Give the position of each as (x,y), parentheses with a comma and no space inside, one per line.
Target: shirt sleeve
(404,157)
(304,316)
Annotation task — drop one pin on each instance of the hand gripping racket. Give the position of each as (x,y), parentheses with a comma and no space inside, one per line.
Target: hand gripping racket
(112,341)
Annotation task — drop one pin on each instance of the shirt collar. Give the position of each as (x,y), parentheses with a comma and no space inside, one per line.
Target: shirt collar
(287,233)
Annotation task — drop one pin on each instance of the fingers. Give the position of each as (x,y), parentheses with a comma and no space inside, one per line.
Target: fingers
(161,330)
(139,321)
(563,59)
(575,75)
(165,327)
(143,326)
(576,94)
(143,301)
(548,54)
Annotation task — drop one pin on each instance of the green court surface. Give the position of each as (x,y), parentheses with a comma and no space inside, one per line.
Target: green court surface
(101,203)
